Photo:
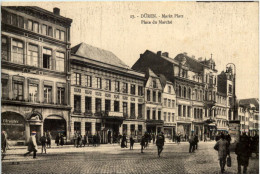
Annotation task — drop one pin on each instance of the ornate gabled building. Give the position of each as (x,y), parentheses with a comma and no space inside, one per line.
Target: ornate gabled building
(35,72)
(195,84)
(107,97)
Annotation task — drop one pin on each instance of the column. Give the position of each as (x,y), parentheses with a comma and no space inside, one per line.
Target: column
(82,128)
(10,88)
(93,104)
(27,132)
(93,128)
(25,90)
(128,130)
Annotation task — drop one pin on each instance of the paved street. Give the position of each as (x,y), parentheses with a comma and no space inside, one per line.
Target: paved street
(113,159)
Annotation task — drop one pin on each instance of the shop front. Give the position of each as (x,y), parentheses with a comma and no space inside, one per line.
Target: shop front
(154,126)
(184,130)
(198,130)
(55,124)
(169,131)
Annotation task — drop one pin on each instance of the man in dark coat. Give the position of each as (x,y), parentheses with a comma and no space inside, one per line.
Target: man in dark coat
(43,141)
(243,153)
(192,142)
(160,143)
(57,139)
(142,144)
(61,139)
(196,140)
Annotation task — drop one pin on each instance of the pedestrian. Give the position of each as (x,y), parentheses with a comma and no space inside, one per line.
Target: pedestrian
(192,142)
(205,137)
(142,144)
(61,139)
(3,141)
(243,153)
(43,141)
(228,138)
(146,136)
(57,140)
(79,141)
(75,138)
(178,139)
(196,141)
(84,140)
(223,151)
(132,141)
(32,145)
(48,140)
(153,136)
(124,143)
(160,143)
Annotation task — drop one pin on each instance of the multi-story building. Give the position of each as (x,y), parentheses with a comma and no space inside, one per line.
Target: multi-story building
(248,114)
(168,108)
(35,72)
(107,97)
(153,102)
(195,83)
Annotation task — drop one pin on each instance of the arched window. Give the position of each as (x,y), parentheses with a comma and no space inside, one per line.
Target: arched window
(196,94)
(184,92)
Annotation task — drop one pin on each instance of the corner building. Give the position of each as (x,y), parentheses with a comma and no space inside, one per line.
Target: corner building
(35,74)
(107,97)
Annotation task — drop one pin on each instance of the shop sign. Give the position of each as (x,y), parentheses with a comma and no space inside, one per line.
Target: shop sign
(12,121)
(77,90)
(169,124)
(115,114)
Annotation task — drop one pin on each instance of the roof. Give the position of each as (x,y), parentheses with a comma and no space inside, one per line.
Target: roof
(97,54)
(151,73)
(192,63)
(254,101)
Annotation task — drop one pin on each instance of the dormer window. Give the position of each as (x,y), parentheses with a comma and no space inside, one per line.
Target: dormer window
(154,84)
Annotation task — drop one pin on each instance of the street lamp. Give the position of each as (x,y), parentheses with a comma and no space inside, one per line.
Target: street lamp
(234,89)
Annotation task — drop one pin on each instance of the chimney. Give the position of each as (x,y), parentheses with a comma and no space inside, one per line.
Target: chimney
(200,58)
(56,11)
(166,54)
(185,53)
(159,53)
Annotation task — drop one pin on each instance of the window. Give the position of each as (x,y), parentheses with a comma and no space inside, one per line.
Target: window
(107,105)
(164,116)
(195,113)
(98,105)
(169,103)
(88,81)
(87,128)
(196,95)
(116,106)
(154,84)
(99,85)
(4,52)
(230,88)
(57,35)
(154,96)
(18,90)
(108,85)
(140,90)
(61,96)
(117,86)
(33,93)
(132,109)
(173,103)
(189,93)
(47,58)
(33,54)
(169,89)
(172,117)
(125,87)
(159,115)
(184,92)
(20,22)
(125,108)
(180,91)
(148,114)
(30,25)
(179,110)
(148,95)
(165,102)
(169,116)
(159,97)
(154,114)
(36,27)
(17,47)
(87,104)
(44,30)
(132,89)
(140,110)
(189,109)
(62,35)
(78,79)
(47,94)
(50,32)
(184,111)
(4,84)
(206,112)
(60,59)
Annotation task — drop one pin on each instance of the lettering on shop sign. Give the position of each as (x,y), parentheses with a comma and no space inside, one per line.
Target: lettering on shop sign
(107,95)
(88,92)
(98,94)
(10,121)
(116,96)
(77,90)
(125,98)
(132,99)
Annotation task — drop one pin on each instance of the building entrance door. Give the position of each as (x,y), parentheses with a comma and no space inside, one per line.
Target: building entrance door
(37,129)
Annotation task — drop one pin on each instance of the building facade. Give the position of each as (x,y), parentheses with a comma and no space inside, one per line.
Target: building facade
(35,72)
(107,97)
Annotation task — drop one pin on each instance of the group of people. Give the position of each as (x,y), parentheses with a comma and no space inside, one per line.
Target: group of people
(244,148)
(193,140)
(80,141)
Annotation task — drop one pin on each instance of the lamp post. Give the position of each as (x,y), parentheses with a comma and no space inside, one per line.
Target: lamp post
(234,89)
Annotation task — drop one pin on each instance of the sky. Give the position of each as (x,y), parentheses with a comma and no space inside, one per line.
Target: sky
(227,30)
